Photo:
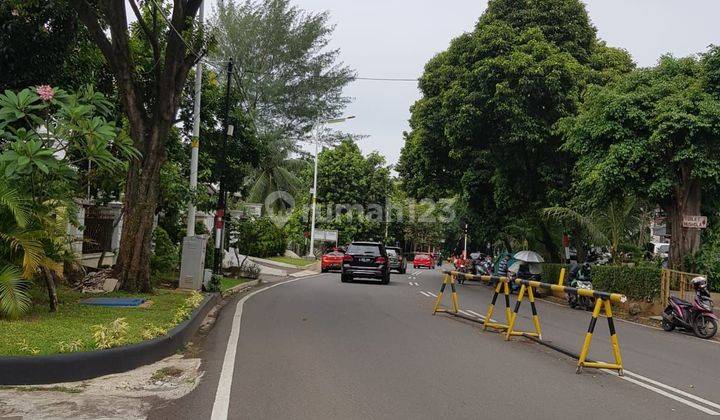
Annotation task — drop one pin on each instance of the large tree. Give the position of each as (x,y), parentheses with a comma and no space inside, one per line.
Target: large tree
(352,189)
(485,125)
(653,133)
(287,76)
(42,42)
(150,101)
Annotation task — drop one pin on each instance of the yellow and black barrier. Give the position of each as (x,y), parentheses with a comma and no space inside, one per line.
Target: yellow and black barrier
(447,279)
(603,300)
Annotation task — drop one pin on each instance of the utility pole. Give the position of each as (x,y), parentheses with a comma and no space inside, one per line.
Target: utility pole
(318,130)
(387,218)
(195,141)
(222,194)
(465,244)
(311,251)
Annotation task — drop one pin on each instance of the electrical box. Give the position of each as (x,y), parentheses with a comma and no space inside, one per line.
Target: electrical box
(192,266)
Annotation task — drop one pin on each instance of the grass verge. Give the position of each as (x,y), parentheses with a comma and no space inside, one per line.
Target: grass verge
(41,332)
(227,283)
(298,262)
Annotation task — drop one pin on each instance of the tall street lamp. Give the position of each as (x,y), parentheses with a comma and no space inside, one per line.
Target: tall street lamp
(318,129)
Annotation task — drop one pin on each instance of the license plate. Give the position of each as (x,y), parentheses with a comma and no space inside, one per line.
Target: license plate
(365,259)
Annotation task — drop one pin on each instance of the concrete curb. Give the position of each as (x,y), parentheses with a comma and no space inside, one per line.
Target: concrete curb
(36,370)
(241,288)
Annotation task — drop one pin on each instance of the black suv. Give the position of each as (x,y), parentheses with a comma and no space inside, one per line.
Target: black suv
(366,260)
(397,259)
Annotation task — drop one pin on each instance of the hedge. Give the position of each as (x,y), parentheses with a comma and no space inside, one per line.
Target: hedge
(637,283)
(551,272)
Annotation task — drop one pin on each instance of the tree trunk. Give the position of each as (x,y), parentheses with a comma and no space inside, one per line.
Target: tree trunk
(52,291)
(141,197)
(686,201)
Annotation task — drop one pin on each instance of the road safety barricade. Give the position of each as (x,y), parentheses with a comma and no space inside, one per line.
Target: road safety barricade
(527,289)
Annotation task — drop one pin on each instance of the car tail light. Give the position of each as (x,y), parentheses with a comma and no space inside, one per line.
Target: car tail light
(347,258)
(380,260)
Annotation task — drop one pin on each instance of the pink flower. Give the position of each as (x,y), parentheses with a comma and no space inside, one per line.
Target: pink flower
(45,92)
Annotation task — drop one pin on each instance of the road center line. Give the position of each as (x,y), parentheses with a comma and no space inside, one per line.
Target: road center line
(222,396)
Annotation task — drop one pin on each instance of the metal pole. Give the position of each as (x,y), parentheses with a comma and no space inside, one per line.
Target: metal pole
(220,212)
(465,245)
(311,252)
(195,141)
(387,218)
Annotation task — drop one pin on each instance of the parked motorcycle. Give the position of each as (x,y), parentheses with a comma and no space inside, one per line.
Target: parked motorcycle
(484,268)
(697,316)
(580,278)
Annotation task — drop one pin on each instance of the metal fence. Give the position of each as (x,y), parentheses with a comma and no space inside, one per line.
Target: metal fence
(98,233)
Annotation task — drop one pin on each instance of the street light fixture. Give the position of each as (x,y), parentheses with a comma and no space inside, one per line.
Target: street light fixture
(311,252)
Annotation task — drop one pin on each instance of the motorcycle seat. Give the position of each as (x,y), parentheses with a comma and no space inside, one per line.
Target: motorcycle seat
(679,301)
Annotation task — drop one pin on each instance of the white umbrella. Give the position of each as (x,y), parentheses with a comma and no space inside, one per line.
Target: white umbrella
(535,268)
(529,256)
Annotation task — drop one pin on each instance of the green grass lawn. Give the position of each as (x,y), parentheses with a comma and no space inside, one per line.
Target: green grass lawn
(300,262)
(228,283)
(45,331)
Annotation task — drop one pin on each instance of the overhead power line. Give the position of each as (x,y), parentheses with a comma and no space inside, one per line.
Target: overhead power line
(387,79)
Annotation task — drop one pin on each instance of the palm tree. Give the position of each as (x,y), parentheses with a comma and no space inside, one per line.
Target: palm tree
(14,237)
(613,226)
(277,172)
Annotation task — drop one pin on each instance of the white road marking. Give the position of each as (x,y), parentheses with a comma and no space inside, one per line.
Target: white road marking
(432,294)
(426,294)
(628,378)
(476,314)
(222,396)
(412,283)
(690,336)
(675,390)
(462,311)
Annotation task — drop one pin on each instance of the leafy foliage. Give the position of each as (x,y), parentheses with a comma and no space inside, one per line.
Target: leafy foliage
(288,77)
(43,43)
(166,255)
(639,283)
(652,133)
(256,237)
(485,126)
(111,335)
(14,296)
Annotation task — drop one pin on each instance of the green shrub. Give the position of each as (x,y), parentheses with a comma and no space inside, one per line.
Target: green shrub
(257,237)
(637,283)
(707,261)
(166,256)
(551,272)
(111,335)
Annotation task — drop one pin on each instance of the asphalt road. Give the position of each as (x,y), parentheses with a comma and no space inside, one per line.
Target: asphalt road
(316,348)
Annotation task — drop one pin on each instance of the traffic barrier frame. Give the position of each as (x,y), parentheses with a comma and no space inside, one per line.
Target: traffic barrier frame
(603,301)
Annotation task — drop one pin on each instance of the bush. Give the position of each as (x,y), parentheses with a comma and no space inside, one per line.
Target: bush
(551,272)
(111,335)
(257,237)
(708,259)
(166,256)
(639,283)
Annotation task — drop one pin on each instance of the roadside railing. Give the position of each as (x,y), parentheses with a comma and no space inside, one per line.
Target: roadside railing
(671,280)
(603,301)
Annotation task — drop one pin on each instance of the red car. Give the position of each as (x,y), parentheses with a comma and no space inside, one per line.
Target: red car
(423,260)
(331,261)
